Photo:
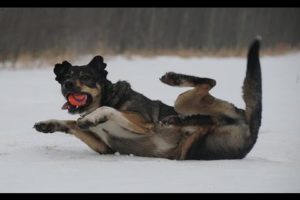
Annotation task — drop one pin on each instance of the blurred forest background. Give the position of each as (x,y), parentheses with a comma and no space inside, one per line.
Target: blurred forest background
(46,32)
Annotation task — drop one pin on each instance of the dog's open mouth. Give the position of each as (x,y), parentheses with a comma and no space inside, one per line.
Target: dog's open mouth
(77,101)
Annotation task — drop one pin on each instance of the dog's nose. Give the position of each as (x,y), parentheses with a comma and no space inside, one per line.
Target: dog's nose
(69,84)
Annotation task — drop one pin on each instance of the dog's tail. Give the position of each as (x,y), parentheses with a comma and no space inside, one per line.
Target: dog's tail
(252,90)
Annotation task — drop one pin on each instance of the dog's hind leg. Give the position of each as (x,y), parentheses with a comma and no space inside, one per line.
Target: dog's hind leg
(192,129)
(182,80)
(194,101)
(70,127)
(127,120)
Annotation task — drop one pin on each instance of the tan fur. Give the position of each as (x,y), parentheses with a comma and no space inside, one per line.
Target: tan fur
(219,137)
(138,122)
(94,92)
(190,139)
(71,127)
(88,138)
(129,131)
(224,128)
(193,101)
(199,101)
(130,120)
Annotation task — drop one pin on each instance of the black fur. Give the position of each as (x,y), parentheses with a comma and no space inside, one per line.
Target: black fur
(114,95)
(193,120)
(61,69)
(176,79)
(50,127)
(120,96)
(95,69)
(254,93)
(252,90)
(120,93)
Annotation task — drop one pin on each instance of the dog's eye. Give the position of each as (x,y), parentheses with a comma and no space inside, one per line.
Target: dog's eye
(85,77)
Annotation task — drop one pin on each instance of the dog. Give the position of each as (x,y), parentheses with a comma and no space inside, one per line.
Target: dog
(115,118)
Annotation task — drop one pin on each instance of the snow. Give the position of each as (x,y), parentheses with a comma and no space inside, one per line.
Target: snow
(35,162)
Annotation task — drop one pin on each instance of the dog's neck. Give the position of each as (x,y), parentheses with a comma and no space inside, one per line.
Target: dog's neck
(114,95)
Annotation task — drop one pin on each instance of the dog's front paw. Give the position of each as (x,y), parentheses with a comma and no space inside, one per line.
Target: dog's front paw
(45,127)
(100,115)
(50,126)
(90,121)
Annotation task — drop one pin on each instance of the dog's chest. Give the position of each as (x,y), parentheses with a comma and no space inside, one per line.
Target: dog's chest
(124,141)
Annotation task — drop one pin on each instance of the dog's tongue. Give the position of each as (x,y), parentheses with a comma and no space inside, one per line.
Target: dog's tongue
(75,100)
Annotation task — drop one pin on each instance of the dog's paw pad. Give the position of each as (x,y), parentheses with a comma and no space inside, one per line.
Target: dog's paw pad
(44,127)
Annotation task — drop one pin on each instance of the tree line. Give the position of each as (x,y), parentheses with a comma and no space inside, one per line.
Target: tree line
(36,31)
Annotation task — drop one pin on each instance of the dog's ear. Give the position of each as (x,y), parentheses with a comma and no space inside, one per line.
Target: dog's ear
(60,69)
(98,64)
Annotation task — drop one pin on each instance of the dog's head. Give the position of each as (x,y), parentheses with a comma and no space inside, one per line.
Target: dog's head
(81,85)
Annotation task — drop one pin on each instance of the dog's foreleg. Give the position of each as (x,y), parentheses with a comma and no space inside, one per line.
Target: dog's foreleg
(129,121)
(70,127)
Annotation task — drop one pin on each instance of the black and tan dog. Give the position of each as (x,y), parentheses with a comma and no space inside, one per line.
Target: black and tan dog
(114,118)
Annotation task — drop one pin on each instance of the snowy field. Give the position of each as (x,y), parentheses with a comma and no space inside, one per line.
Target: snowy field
(34,162)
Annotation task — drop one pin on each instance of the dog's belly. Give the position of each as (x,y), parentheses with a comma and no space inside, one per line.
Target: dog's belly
(126,142)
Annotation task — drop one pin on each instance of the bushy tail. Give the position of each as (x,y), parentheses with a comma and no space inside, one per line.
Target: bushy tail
(252,90)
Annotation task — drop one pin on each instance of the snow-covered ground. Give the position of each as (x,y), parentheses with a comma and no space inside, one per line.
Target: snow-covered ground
(34,162)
